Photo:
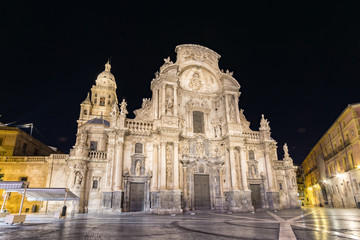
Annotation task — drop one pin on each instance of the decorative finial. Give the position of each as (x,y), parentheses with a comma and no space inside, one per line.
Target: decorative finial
(108,65)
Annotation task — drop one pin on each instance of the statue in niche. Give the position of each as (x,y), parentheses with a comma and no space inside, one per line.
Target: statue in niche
(264,123)
(137,168)
(195,82)
(232,113)
(217,130)
(169,100)
(286,151)
(253,171)
(169,103)
(200,152)
(78,178)
(123,110)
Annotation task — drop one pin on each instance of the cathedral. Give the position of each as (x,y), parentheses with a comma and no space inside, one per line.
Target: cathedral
(188,148)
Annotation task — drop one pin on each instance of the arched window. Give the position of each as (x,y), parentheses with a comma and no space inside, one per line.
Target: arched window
(251,155)
(138,148)
(85,112)
(95,184)
(198,122)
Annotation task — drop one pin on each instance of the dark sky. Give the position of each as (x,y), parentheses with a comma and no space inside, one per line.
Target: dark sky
(298,63)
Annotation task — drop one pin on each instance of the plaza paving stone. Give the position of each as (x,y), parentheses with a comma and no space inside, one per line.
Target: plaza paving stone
(306,223)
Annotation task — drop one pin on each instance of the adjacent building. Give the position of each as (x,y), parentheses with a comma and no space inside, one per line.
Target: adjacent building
(16,142)
(189,147)
(332,168)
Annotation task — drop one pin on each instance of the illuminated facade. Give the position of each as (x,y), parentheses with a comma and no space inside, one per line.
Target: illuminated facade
(332,168)
(189,147)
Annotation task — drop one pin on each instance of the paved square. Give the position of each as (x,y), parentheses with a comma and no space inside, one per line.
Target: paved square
(307,223)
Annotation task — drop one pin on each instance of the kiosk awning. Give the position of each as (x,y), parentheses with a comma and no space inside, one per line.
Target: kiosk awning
(13,184)
(47,194)
(38,194)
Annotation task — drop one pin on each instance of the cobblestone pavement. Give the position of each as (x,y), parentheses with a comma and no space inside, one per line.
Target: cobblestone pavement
(306,223)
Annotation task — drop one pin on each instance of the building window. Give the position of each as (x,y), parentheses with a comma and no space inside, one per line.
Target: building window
(352,132)
(102,101)
(23,178)
(352,160)
(198,122)
(280,186)
(109,96)
(1,141)
(24,148)
(85,112)
(251,155)
(95,95)
(95,101)
(95,184)
(138,148)
(93,146)
(36,151)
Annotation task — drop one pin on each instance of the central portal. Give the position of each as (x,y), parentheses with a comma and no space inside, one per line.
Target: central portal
(137,197)
(202,192)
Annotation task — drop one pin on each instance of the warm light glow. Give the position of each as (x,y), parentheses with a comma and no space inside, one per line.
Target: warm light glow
(325,181)
(358,166)
(339,175)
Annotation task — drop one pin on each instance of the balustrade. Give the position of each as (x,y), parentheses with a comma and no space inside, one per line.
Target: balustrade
(139,127)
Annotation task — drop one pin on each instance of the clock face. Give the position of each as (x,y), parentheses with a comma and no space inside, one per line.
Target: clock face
(199,79)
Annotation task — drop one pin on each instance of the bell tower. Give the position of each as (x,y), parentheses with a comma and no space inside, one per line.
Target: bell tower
(103,95)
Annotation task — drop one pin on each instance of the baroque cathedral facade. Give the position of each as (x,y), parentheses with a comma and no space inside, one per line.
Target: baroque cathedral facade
(188,148)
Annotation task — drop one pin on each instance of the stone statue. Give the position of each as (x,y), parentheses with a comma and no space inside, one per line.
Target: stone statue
(286,151)
(167,60)
(78,178)
(137,169)
(195,82)
(232,113)
(115,110)
(123,108)
(253,171)
(169,106)
(83,138)
(264,123)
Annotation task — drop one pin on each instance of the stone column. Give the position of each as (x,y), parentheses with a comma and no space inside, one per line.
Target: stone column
(154,182)
(119,166)
(228,173)
(163,166)
(237,108)
(227,108)
(176,166)
(175,101)
(269,170)
(234,181)
(163,100)
(243,169)
(155,103)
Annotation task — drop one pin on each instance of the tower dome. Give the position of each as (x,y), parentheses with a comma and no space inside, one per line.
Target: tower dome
(106,78)
(106,73)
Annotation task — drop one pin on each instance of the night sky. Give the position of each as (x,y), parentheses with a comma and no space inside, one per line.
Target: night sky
(297,63)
